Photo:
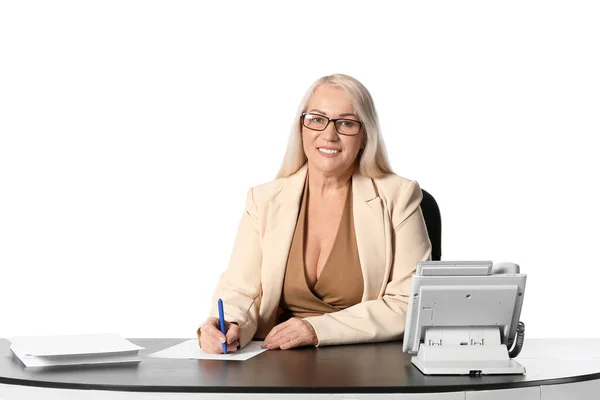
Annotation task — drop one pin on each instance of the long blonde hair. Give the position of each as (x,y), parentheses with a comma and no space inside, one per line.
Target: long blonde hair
(373,161)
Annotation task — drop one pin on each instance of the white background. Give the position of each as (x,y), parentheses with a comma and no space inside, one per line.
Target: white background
(131,131)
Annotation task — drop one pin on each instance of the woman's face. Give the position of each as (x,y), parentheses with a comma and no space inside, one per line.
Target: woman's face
(331,102)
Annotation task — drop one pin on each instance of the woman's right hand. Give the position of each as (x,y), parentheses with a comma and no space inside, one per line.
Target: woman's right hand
(210,337)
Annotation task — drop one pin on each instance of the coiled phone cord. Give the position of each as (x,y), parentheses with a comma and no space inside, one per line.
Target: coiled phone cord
(519,341)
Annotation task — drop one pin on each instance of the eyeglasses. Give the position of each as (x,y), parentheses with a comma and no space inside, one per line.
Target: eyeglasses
(343,126)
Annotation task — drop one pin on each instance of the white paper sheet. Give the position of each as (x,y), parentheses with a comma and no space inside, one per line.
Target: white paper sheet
(191,349)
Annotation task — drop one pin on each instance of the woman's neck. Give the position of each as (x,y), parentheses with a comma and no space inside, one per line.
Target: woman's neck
(328,186)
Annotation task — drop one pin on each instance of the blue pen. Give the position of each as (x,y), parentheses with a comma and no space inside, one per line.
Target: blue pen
(222,324)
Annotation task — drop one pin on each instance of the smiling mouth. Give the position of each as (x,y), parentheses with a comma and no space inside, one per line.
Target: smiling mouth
(328,151)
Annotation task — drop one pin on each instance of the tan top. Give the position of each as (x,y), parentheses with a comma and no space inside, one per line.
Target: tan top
(340,284)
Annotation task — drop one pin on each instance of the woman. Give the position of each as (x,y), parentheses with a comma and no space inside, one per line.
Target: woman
(325,253)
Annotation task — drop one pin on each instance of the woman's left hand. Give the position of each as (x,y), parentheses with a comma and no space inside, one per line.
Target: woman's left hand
(292,333)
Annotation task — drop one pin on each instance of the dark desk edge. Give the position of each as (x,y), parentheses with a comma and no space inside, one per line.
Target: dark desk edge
(303,390)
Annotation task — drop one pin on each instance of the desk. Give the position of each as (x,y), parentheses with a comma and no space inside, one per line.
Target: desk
(556,369)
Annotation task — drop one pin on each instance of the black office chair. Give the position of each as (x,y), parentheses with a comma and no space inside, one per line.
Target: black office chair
(433,221)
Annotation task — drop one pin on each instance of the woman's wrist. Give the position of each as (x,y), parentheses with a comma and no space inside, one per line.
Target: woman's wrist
(315,338)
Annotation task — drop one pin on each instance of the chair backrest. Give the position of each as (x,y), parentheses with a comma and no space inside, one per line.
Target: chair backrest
(433,221)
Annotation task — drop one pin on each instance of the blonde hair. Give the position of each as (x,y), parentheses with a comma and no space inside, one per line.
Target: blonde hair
(373,161)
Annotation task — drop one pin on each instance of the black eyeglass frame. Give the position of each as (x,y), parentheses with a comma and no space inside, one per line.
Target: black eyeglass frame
(334,120)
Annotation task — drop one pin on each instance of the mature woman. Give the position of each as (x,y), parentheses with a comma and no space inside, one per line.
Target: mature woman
(325,253)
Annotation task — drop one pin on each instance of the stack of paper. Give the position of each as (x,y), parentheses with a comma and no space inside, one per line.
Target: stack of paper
(46,351)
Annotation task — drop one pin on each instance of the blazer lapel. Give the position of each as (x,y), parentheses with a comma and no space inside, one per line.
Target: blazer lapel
(282,216)
(371,230)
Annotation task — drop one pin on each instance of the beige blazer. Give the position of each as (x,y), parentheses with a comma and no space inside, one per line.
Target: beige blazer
(391,237)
